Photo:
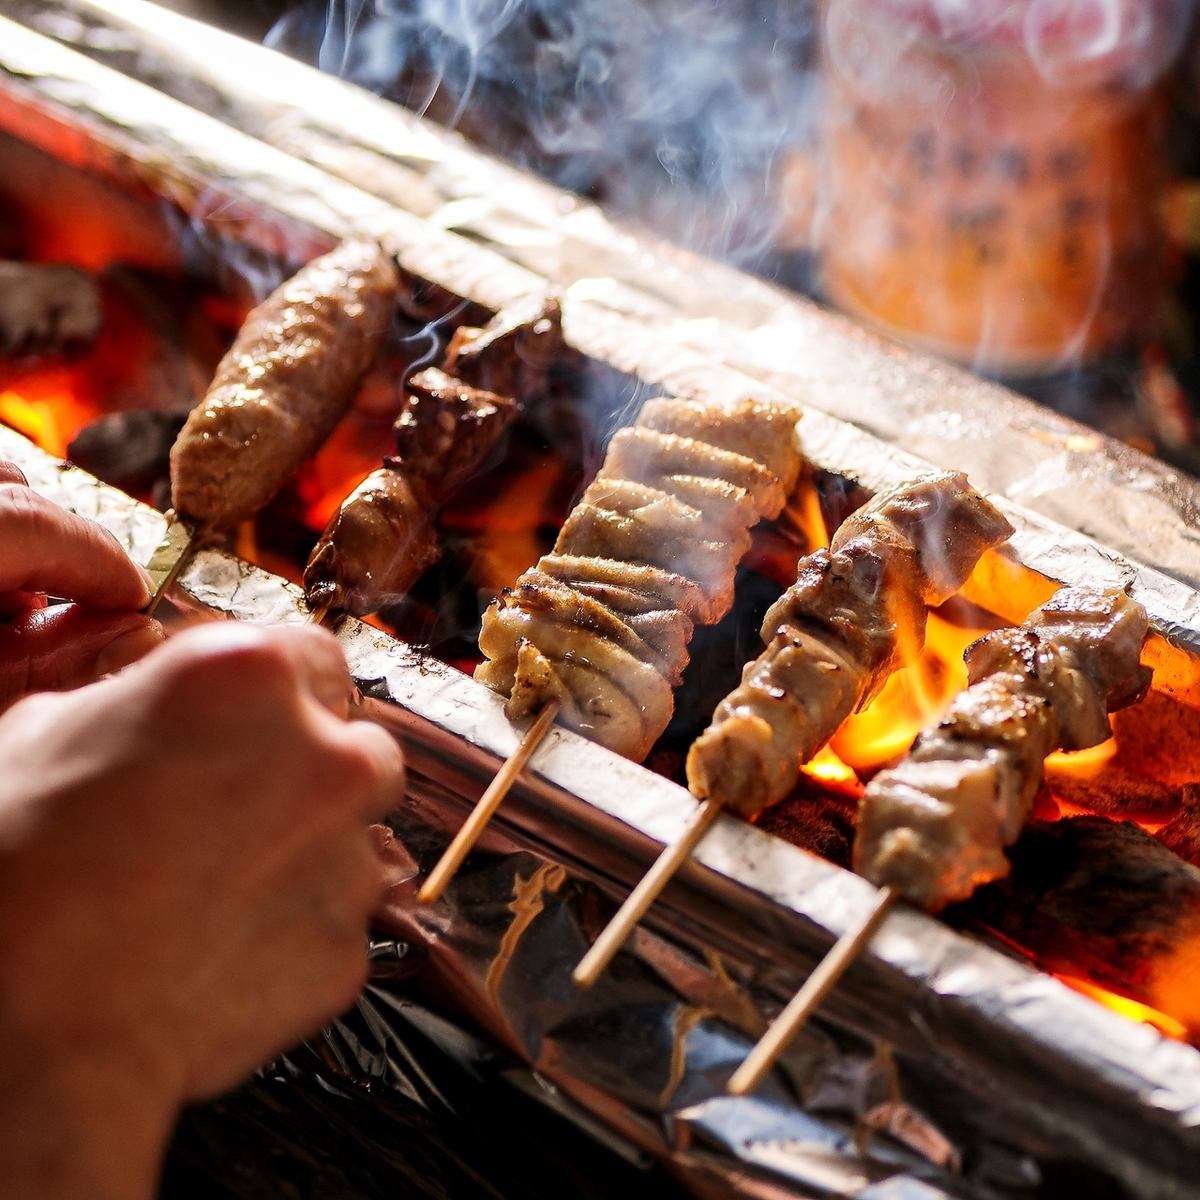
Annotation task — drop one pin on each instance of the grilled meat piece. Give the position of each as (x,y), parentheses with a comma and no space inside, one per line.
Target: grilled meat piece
(446,429)
(514,353)
(837,633)
(382,539)
(652,545)
(935,827)
(291,373)
(376,546)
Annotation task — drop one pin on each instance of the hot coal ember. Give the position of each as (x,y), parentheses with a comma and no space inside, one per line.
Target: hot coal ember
(1105,901)
(130,450)
(45,307)
(817,817)
(1182,833)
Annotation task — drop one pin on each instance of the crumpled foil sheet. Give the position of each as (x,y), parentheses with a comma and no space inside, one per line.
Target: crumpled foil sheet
(1028,1071)
(519,234)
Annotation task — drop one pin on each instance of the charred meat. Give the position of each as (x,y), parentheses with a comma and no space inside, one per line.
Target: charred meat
(603,623)
(382,538)
(935,827)
(837,633)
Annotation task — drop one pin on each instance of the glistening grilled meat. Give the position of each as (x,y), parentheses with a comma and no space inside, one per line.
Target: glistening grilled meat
(291,373)
(837,633)
(935,827)
(382,538)
(602,625)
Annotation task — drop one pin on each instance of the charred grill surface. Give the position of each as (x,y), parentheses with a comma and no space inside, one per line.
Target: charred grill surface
(838,632)
(291,373)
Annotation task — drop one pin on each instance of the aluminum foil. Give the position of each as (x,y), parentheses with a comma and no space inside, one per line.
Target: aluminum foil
(527,235)
(1048,1074)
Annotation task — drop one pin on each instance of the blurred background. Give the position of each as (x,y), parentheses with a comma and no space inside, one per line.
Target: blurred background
(1011,184)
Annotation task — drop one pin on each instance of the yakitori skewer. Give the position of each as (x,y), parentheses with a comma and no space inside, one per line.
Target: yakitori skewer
(934,828)
(832,639)
(383,536)
(597,633)
(292,372)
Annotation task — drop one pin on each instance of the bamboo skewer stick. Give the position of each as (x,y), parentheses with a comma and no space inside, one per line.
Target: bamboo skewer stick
(171,555)
(617,932)
(805,1002)
(320,615)
(486,806)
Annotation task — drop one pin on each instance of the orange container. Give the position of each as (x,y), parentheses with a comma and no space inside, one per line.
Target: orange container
(991,171)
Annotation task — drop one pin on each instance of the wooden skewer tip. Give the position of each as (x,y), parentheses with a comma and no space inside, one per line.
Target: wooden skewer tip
(618,931)
(170,557)
(320,615)
(788,1024)
(486,806)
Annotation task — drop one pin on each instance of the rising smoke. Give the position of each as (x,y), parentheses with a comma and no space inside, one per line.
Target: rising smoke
(677,113)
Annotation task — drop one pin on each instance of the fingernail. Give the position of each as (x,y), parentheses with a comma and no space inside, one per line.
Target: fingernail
(129,647)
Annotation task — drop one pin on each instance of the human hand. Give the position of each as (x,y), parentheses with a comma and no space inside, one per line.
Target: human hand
(186,876)
(44,549)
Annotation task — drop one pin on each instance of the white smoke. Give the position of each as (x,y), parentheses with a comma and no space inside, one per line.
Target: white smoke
(674,113)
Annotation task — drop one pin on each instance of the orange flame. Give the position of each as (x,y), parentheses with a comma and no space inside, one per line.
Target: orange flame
(912,698)
(1083,764)
(1130,1009)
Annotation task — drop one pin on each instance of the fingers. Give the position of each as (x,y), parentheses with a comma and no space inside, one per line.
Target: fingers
(295,682)
(66,646)
(233,657)
(47,549)
(17,604)
(11,473)
(375,781)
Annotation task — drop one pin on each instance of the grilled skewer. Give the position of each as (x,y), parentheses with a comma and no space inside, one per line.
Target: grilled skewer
(290,375)
(934,828)
(602,624)
(832,640)
(383,538)
(597,632)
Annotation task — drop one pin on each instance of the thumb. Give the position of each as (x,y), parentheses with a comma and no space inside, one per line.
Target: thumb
(66,646)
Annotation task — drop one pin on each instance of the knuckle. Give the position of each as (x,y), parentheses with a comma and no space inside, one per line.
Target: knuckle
(233,660)
(372,762)
(21,507)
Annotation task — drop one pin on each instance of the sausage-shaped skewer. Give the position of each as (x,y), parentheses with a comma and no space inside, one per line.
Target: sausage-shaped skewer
(290,375)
